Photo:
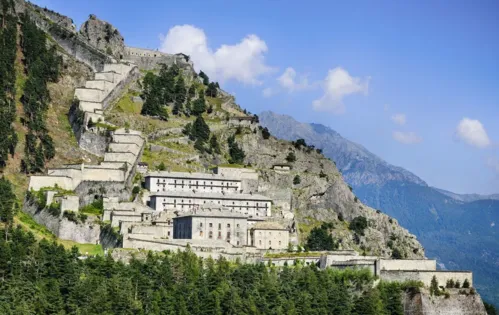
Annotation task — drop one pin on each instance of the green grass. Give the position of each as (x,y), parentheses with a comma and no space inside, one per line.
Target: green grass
(154,159)
(293,254)
(91,249)
(126,105)
(185,148)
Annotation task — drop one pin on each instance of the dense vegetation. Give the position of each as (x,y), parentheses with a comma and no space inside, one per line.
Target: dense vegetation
(320,238)
(42,66)
(8,36)
(43,278)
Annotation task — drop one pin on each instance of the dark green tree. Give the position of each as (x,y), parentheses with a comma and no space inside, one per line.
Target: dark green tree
(215,147)
(291,157)
(321,239)
(199,105)
(200,130)
(211,90)
(236,153)
(205,78)
(358,225)
(7,203)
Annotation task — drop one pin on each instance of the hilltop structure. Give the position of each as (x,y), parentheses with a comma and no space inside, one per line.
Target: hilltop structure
(238,213)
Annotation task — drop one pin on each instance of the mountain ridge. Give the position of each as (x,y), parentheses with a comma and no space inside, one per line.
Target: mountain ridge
(459,230)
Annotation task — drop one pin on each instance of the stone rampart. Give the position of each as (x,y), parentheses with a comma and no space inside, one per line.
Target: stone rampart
(99,84)
(133,148)
(408,264)
(73,43)
(151,59)
(426,276)
(36,182)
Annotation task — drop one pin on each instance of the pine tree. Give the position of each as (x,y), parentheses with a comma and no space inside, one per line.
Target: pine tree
(7,203)
(434,290)
(215,147)
(200,130)
(205,78)
(236,153)
(199,105)
(180,91)
(211,90)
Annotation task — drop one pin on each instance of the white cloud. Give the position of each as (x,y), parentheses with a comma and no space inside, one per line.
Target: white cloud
(399,119)
(268,92)
(472,132)
(288,81)
(406,137)
(244,61)
(338,84)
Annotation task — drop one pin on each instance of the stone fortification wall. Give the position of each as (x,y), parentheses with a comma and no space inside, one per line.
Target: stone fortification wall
(408,264)
(62,228)
(36,182)
(152,59)
(89,190)
(73,43)
(424,304)
(426,276)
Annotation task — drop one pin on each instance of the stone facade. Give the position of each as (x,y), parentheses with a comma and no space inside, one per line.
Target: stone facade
(212,223)
(248,204)
(189,182)
(425,276)
(269,235)
(152,59)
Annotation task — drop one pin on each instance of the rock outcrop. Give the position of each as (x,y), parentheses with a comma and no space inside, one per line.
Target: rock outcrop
(103,36)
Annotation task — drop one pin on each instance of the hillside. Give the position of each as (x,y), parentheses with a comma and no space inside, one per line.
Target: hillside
(91,111)
(459,230)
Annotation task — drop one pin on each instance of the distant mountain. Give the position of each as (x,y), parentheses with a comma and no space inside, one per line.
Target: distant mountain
(468,197)
(460,230)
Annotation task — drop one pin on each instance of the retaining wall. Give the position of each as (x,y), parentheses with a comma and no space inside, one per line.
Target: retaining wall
(426,276)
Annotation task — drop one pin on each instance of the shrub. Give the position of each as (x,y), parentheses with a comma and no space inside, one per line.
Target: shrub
(296,180)
(466,284)
(54,209)
(358,225)
(449,284)
(322,174)
(70,215)
(434,290)
(135,190)
(320,239)
(350,187)
(447,295)
(265,133)
(340,216)
(291,157)
(161,166)
(457,285)
(356,199)
(299,143)
(396,254)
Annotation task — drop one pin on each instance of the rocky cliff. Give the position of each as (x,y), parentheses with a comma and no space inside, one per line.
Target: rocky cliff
(104,36)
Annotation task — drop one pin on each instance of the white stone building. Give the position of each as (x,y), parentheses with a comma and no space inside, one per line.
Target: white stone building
(190,182)
(268,235)
(212,222)
(251,205)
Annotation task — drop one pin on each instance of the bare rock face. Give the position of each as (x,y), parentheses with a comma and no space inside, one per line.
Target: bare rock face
(321,195)
(103,36)
(457,301)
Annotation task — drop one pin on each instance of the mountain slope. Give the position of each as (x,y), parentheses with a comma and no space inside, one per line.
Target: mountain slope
(459,230)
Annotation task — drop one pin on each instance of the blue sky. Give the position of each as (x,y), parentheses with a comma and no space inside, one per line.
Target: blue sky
(414,82)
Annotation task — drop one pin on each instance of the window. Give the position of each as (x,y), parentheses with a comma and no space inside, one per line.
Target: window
(270,242)
(168,233)
(211,224)
(228,235)
(219,226)
(228,225)
(279,243)
(237,243)
(237,234)
(237,225)
(219,235)
(201,224)
(201,234)
(210,235)
(260,242)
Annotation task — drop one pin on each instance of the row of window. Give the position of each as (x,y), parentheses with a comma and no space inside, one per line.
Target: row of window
(210,235)
(197,183)
(258,205)
(270,243)
(219,225)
